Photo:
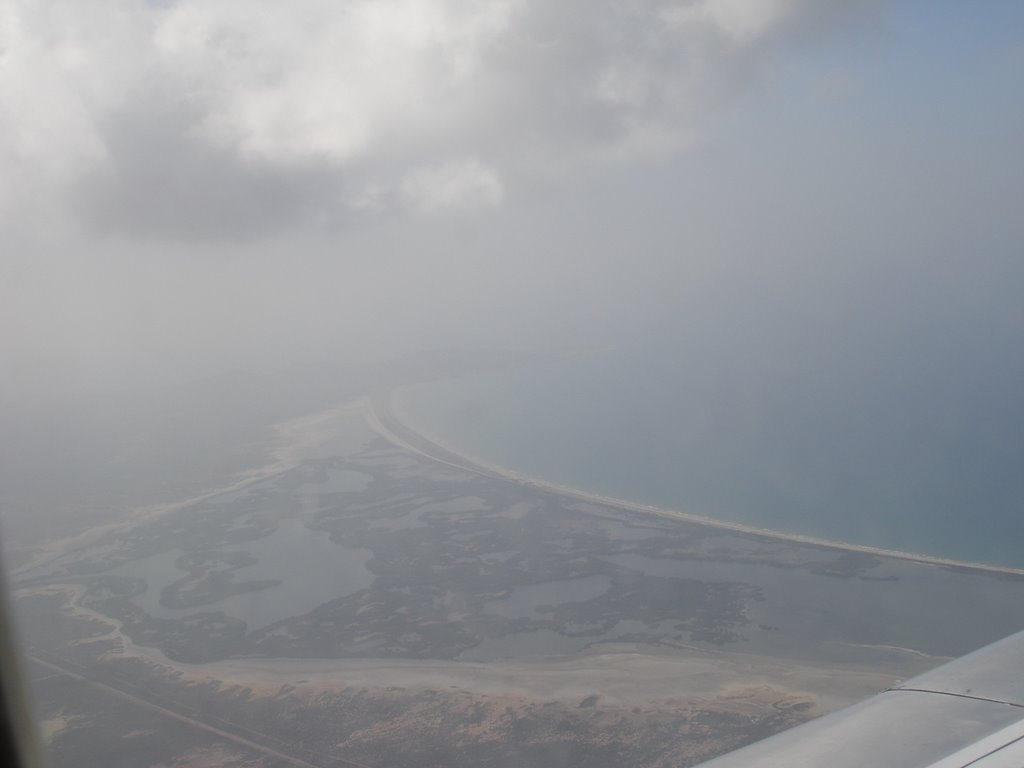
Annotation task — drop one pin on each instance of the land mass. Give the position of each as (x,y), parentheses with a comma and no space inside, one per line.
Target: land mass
(382,600)
(386,421)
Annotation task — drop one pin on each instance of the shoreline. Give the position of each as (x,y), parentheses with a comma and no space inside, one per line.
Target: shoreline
(292,438)
(622,674)
(380,412)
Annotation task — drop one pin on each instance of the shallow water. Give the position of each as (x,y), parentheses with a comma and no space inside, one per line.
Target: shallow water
(339,481)
(312,569)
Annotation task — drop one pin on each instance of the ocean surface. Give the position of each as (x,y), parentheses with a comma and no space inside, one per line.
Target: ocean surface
(904,449)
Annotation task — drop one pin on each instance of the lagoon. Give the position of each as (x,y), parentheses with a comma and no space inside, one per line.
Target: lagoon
(312,571)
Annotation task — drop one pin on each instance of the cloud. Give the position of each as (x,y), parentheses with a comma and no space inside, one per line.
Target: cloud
(322,80)
(740,21)
(208,118)
(161,179)
(456,185)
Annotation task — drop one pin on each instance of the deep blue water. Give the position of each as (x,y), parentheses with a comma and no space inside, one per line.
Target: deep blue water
(910,447)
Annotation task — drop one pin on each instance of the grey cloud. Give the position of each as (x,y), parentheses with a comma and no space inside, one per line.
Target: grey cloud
(159,180)
(266,116)
(510,207)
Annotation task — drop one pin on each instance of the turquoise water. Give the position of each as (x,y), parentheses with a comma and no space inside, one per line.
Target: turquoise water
(914,450)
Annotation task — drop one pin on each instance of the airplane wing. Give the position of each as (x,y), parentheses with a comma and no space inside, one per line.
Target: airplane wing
(969,712)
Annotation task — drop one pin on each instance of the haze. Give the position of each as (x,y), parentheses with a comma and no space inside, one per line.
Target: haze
(192,187)
(503,382)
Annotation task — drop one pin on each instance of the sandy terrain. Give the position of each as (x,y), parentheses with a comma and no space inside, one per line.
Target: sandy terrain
(620,675)
(381,411)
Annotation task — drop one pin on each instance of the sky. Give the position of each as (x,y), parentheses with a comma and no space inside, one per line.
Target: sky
(193,186)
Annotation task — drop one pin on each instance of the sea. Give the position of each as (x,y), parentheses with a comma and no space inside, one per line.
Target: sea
(907,449)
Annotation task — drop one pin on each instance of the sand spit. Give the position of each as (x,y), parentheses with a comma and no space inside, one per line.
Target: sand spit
(620,676)
(381,411)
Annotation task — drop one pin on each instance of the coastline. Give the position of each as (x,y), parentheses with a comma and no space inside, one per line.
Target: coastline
(292,439)
(383,419)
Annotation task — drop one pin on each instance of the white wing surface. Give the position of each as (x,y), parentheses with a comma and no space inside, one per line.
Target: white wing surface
(969,712)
